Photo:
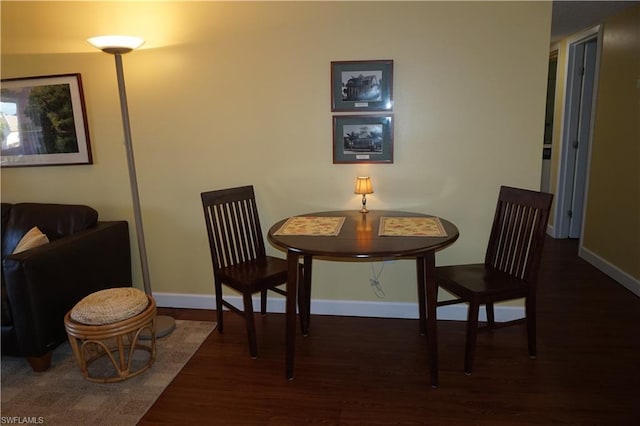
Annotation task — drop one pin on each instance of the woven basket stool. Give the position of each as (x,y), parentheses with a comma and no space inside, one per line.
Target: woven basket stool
(108,324)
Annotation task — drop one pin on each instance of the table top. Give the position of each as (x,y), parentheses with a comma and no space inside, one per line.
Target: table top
(359,237)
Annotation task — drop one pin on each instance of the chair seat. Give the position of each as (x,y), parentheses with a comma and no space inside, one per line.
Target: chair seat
(255,275)
(476,281)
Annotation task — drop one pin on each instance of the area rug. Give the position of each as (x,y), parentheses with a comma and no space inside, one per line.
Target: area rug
(61,396)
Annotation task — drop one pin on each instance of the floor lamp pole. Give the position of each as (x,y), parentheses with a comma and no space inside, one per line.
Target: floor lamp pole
(164,324)
(133,180)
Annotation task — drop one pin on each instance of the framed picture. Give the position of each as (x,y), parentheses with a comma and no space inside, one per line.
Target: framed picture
(362,85)
(362,139)
(43,122)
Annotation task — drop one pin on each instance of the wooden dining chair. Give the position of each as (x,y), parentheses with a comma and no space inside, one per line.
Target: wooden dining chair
(238,254)
(510,268)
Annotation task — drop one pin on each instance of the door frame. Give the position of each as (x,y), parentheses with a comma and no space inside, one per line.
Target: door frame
(563,192)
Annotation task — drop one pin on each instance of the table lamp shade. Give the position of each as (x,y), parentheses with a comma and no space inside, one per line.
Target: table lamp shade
(363,185)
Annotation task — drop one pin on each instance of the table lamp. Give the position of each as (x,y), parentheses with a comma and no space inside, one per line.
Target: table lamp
(364,187)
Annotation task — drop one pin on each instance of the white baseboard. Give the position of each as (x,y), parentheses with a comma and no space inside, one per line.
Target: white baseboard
(630,283)
(352,308)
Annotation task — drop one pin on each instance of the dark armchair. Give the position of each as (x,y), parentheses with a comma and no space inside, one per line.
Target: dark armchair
(41,284)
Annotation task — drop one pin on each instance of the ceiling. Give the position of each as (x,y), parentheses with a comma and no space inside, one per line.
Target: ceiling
(569,17)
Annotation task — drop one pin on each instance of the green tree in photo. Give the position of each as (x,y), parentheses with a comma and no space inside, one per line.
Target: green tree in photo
(52,107)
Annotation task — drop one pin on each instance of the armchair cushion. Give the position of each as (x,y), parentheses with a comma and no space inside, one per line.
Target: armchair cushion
(33,238)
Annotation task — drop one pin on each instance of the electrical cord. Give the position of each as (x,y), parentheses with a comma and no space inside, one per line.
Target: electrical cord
(376,287)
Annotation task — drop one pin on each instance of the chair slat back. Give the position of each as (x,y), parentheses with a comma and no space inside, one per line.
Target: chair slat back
(233,226)
(518,232)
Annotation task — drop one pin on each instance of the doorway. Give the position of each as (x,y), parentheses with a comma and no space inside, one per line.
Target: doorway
(545,176)
(576,135)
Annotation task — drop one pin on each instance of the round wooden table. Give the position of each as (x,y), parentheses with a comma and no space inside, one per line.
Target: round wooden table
(359,237)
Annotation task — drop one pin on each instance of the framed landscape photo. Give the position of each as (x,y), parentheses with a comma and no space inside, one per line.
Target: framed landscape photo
(362,85)
(43,122)
(362,139)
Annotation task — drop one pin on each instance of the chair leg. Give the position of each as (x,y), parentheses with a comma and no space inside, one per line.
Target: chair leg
(472,331)
(40,363)
(530,311)
(263,302)
(251,326)
(491,318)
(220,325)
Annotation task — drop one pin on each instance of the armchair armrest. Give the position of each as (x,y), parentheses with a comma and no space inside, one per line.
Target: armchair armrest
(43,283)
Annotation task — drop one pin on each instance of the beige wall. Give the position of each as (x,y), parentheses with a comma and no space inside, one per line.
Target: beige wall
(227,94)
(612,221)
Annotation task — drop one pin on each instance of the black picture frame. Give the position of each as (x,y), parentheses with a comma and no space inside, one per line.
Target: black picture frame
(362,139)
(362,85)
(44,122)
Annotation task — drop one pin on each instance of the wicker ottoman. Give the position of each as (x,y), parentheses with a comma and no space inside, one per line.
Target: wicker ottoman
(105,331)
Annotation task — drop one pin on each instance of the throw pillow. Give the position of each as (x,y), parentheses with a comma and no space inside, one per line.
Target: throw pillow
(33,238)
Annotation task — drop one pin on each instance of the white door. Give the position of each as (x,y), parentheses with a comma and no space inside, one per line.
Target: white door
(580,144)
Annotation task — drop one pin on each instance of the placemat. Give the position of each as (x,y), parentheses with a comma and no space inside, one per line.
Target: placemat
(411,227)
(311,225)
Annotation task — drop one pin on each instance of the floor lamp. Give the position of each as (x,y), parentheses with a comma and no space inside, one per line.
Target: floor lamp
(117,46)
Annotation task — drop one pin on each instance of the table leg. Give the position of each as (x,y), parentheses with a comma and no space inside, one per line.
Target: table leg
(429,279)
(422,308)
(304,296)
(292,286)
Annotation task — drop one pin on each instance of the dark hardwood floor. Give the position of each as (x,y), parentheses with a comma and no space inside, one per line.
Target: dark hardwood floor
(373,371)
